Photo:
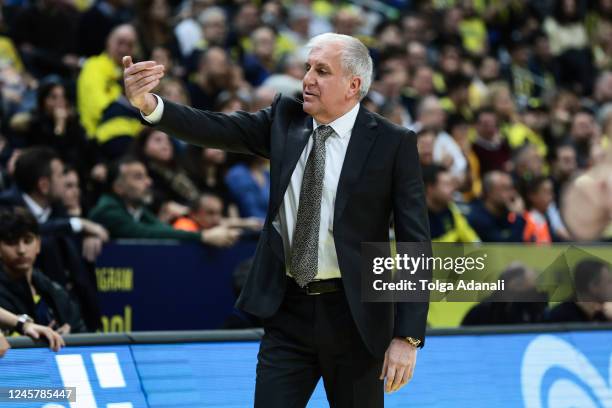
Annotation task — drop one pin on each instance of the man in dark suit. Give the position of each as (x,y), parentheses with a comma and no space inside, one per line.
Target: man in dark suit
(331,189)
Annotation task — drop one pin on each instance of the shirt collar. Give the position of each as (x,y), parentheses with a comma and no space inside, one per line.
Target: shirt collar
(41,214)
(343,126)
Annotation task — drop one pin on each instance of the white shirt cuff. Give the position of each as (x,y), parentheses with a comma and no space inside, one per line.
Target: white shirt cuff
(156,115)
(76,224)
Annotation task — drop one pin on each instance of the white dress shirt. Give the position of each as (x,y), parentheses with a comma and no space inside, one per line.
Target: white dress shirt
(335,150)
(43,214)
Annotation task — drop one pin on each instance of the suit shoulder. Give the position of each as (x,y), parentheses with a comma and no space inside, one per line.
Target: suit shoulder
(287,104)
(390,129)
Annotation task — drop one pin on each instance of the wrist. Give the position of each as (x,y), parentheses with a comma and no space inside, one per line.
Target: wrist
(150,103)
(22,321)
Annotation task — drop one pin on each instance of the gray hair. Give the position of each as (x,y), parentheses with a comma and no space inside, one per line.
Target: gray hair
(355,59)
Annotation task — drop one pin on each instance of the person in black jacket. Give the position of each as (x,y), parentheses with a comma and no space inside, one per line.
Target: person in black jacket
(25,290)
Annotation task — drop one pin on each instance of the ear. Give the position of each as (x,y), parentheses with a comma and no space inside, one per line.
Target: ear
(354,87)
(44,185)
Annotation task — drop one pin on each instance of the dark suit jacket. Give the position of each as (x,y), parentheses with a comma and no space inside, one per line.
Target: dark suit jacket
(381,175)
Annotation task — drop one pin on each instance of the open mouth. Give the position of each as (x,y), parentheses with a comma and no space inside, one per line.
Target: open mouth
(309,94)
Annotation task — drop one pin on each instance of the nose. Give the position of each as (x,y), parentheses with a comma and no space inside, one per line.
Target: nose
(21,247)
(309,78)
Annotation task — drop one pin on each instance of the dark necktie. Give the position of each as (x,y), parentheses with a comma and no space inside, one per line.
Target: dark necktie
(304,250)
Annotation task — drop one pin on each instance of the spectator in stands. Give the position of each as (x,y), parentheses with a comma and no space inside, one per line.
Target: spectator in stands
(527,164)
(105,114)
(425,145)
(123,210)
(497,217)
(448,148)
(71,198)
(593,295)
(421,86)
(39,187)
(492,150)
(153,25)
(564,167)
(24,289)
(261,62)
(213,77)
(54,123)
(583,135)
(538,196)
(249,186)
(520,302)
(446,222)
(22,325)
(170,182)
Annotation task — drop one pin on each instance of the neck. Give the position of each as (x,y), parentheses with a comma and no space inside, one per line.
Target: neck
(39,199)
(16,275)
(325,119)
(493,209)
(435,206)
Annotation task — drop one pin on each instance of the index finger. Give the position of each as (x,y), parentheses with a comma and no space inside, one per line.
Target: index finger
(139,66)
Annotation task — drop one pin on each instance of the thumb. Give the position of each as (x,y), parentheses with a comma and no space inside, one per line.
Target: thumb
(127,61)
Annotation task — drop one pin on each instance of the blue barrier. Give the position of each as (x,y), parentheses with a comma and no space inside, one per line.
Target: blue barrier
(167,285)
(531,370)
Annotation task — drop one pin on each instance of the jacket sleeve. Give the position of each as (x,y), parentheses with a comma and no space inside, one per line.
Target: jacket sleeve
(239,132)
(121,225)
(411,225)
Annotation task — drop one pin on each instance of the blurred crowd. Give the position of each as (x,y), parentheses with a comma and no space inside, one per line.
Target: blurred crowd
(509,100)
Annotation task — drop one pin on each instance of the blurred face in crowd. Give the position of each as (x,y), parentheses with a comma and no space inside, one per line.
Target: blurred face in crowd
(452,18)
(450,61)
(414,28)
(55,100)
(134,185)
(159,147)
(210,212)
(173,91)
(72,192)
(213,156)
(529,162)
(489,69)
(503,103)
(425,145)
(121,41)
(501,193)
(346,22)
(328,90)
(486,125)
(565,165)
(583,127)
(417,54)
(247,18)
(603,88)
(215,29)
(390,36)
(264,41)
(160,11)
(431,115)
(394,76)
(18,255)
(53,187)
(161,55)
(422,82)
(543,196)
(216,66)
(440,194)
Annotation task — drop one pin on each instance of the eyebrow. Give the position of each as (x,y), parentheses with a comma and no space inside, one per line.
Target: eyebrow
(319,65)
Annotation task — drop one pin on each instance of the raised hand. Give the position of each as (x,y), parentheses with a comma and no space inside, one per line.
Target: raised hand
(140,79)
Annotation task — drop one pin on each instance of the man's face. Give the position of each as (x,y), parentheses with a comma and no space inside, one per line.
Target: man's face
(425,144)
(134,184)
(215,30)
(566,161)
(502,192)
(57,183)
(327,90)
(18,255)
(210,212)
(121,42)
(583,127)
(72,192)
(442,192)
(423,81)
(487,126)
(216,65)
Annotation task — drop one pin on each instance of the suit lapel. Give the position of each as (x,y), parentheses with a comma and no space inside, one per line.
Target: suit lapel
(362,139)
(299,132)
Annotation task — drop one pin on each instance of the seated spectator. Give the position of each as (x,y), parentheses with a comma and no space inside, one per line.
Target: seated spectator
(24,326)
(426,139)
(39,187)
(446,222)
(497,217)
(520,302)
(449,147)
(492,150)
(105,113)
(55,124)
(25,290)
(538,196)
(72,193)
(261,62)
(249,186)
(123,210)
(170,182)
(207,212)
(593,300)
